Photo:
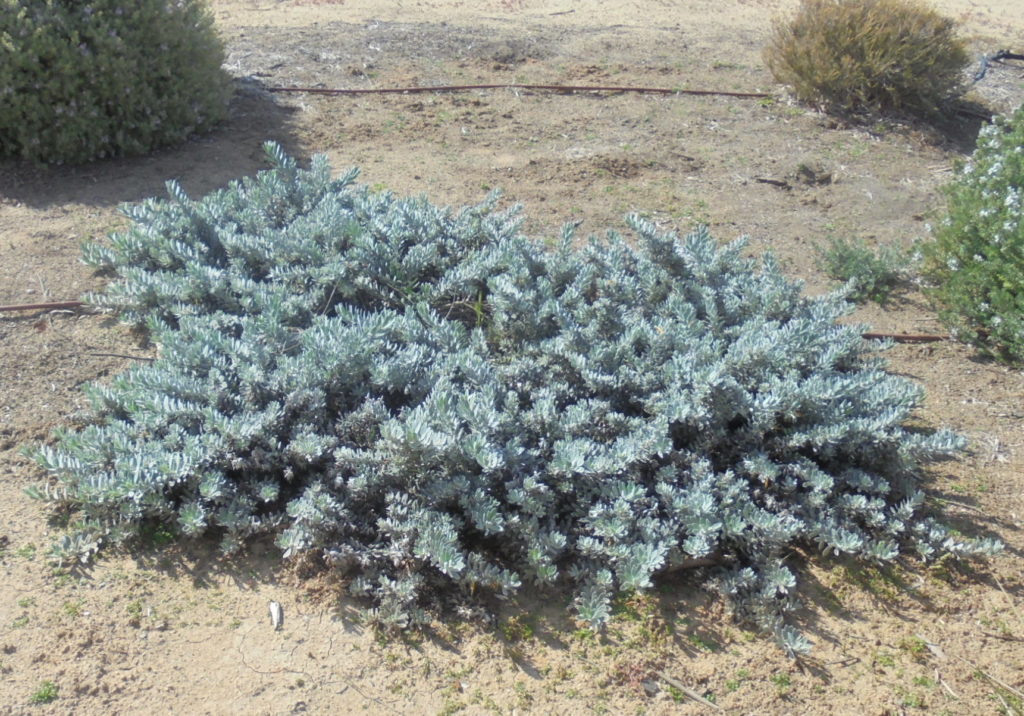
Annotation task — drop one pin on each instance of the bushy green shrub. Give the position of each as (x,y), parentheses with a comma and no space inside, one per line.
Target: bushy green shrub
(875,55)
(874,273)
(81,80)
(433,402)
(977,258)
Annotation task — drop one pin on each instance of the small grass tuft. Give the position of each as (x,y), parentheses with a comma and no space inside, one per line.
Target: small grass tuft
(783,683)
(884,658)
(735,683)
(517,628)
(46,693)
(915,646)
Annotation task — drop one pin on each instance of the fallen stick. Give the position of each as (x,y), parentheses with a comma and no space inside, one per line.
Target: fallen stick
(676,683)
(546,88)
(998,682)
(906,337)
(122,355)
(710,561)
(946,686)
(937,651)
(1009,599)
(42,306)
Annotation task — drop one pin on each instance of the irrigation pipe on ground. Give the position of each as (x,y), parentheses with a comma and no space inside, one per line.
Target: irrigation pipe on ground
(541,88)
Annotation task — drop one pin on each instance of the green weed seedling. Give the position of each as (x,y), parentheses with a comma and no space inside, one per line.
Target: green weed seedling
(782,682)
(734,683)
(884,658)
(46,693)
(915,646)
(518,628)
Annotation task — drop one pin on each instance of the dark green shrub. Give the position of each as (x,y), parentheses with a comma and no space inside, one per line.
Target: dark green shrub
(875,55)
(433,402)
(874,274)
(82,80)
(977,259)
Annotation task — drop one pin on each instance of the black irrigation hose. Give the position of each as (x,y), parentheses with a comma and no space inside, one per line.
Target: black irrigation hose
(986,61)
(42,306)
(898,338)
(546,88)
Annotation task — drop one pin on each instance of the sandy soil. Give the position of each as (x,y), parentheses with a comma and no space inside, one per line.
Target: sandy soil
(177,630)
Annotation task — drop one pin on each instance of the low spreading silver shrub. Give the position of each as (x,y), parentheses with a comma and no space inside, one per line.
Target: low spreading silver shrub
(433,402)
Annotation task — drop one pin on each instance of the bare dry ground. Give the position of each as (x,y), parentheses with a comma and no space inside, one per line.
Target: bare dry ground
(174,629)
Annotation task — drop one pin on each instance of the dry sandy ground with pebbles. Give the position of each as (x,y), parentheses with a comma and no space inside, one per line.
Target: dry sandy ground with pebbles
(170,629)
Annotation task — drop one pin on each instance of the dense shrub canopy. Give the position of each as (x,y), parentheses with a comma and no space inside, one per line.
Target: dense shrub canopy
(876,55)
(434,402)
(977,258)
(85,80)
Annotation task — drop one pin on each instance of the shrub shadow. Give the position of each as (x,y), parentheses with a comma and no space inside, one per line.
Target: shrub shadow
(960,126)
(956,128)
(201,561)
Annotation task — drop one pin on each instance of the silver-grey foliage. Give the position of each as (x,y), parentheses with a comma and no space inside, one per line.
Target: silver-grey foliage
(432,401)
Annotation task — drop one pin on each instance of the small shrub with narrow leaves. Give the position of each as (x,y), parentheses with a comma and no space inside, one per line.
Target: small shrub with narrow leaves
(83,80)
(431,401)
(869,55)
(977,259)
(873,273)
